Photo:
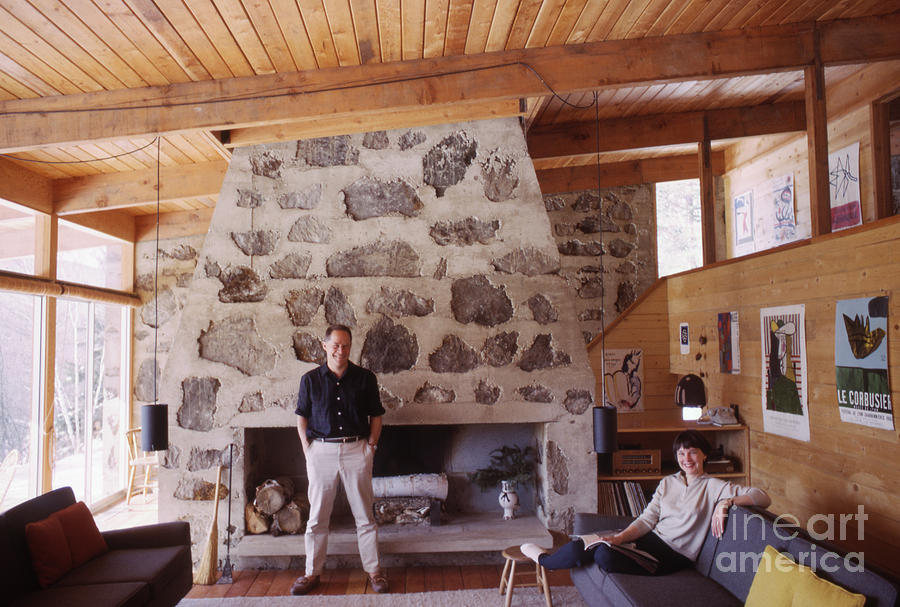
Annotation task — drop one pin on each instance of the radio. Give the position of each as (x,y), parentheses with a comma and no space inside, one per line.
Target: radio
(636,461)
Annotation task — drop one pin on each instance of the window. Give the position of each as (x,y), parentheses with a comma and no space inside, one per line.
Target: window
(679,239)
(88,257)
(88,452)
(17,238)
(18,424)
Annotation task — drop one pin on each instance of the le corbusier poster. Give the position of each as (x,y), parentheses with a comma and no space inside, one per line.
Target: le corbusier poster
(861,362)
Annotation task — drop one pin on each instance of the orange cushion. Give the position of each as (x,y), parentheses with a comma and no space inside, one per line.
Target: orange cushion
(50,554)
(85,541)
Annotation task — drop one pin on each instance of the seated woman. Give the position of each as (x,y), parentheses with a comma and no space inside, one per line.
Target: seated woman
(673,526)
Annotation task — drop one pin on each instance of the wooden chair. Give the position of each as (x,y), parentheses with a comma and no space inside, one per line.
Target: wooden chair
(138,459)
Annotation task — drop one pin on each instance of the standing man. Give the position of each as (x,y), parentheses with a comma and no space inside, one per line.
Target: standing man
(339,421)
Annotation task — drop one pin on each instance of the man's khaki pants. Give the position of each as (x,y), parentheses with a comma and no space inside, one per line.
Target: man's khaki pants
(352,464)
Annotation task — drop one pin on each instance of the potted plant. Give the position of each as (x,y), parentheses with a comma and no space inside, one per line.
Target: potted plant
(510,466)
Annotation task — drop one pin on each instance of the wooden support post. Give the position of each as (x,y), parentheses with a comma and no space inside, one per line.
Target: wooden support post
(817,148)
(880,122)
(707,200)
(46,236)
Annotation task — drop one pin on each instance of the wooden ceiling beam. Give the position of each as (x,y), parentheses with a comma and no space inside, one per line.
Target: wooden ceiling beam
(177,224)
(628,172)
(567,140)
(24,187)
(79,195)
(341,92)
(364,122)
(113,223)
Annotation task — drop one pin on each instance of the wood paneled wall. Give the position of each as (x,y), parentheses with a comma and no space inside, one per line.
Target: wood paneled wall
(643,325)
(843,466)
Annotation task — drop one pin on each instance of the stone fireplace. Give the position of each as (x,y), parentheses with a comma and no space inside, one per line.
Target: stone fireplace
(434,245)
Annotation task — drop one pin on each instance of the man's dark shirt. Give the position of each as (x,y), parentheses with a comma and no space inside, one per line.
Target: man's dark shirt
(338,406)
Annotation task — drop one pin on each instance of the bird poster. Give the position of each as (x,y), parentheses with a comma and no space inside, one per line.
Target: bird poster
(843,180)
(861,362)
(785,377)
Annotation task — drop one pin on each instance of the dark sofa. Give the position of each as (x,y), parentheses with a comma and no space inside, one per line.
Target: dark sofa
(725,568)
(149,565)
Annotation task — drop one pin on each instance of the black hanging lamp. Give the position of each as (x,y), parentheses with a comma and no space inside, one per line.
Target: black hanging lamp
(155,416)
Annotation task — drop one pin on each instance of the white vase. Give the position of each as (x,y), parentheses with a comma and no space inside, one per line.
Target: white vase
(509,499)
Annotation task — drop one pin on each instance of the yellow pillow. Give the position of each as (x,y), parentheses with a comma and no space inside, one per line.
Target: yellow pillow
(813,591)
(774,582)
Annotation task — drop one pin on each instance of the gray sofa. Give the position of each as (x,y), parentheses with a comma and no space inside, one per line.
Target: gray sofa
(149,565)
(725,568)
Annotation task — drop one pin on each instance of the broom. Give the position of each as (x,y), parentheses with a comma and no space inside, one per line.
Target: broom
(209,563)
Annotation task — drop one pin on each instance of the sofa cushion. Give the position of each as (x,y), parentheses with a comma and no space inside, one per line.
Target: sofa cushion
(157,566)
(83,536)
(126,594)
(680,589)
(16,574)
(747,533)
(813,591)
(834,565)
(48,549)
(776,578)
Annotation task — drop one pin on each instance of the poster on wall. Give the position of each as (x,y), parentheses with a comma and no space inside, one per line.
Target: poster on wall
(729,342)
(843,179)
(861,364)
(784,223)
(743,223)
(625,379)
(684,338)
(785,380)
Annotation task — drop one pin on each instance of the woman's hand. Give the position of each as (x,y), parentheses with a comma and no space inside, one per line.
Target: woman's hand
(612,539)
(720,516)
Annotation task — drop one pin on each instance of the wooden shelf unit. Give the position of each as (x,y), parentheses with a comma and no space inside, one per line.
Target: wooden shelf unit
(735,441)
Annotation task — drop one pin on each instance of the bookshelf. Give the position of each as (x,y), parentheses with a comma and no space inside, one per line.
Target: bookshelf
(642,433)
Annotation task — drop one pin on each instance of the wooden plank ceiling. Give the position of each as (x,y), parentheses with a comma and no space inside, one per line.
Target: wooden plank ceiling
(60,49)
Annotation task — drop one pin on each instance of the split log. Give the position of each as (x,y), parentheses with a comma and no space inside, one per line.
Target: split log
(418,485)
(272,495)
(256,521)
(288,520)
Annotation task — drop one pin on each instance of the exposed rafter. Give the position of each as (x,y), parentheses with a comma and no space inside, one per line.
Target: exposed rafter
(341,92)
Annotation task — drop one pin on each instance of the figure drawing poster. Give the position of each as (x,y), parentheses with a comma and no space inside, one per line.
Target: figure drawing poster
(782,192)
(861,362)
(743,223)
(625,379)
(785,381)
(843,179)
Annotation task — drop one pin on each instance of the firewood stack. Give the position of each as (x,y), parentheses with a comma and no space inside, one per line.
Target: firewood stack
(276,509)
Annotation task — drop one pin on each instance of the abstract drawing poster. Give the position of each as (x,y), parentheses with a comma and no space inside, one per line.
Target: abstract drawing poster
(782,192)
(625,379)
(860,360)
(743,224)
(729,342)
(843,178)
(785,378)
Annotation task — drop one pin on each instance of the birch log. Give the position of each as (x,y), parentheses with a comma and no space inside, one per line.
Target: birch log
(417,485)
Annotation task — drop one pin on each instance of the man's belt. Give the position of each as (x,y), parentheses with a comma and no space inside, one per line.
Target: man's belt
(340,439)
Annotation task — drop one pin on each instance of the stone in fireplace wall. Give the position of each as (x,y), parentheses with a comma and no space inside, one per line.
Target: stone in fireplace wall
(622,219)
(434,245)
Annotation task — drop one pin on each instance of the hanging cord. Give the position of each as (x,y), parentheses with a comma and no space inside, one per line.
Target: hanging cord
(156,280)
(602,254)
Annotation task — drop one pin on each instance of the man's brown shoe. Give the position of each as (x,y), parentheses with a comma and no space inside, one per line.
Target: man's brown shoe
(378,582)
(304,584)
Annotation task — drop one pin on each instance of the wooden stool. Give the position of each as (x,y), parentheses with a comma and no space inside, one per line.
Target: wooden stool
(514,556)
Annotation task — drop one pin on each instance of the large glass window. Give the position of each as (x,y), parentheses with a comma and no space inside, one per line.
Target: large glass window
(679,236)
(17,241)
(88,405)
(18,431)
(88,257)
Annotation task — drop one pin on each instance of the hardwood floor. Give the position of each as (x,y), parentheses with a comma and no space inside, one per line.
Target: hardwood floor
(252,582)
